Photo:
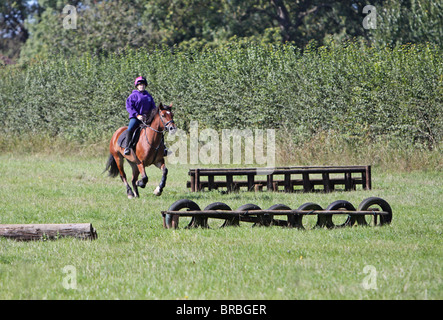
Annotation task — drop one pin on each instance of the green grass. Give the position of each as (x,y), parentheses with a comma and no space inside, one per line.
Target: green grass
(135,258)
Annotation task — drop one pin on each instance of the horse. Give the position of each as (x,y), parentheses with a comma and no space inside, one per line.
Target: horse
(148,150)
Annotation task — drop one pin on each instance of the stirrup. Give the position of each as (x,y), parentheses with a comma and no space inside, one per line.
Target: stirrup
(127,151)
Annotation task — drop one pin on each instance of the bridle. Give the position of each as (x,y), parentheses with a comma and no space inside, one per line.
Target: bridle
(165,128)
(165,125)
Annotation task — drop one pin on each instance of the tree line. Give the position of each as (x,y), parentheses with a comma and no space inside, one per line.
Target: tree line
(35,29)
(354,94)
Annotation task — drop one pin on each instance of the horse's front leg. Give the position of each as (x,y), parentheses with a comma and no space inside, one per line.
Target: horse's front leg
(158,191)
(144,180)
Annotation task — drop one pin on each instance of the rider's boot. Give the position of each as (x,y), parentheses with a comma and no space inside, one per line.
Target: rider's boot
(128,145)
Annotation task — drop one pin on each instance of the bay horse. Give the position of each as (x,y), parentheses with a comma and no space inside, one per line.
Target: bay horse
(148,150)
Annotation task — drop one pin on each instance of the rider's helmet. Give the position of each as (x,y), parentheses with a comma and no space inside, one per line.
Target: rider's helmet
(140,80)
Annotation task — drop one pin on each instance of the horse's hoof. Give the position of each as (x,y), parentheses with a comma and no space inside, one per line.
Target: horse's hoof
(130,194)
(141,184)
(157,191)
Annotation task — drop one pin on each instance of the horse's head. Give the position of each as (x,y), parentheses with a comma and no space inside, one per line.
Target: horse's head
(167,118)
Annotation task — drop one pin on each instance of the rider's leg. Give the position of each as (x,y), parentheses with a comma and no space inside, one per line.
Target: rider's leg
(133,124)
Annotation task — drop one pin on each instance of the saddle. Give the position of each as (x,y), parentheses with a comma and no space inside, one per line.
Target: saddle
(123,140)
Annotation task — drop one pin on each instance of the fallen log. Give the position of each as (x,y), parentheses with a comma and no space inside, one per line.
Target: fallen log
(28,232)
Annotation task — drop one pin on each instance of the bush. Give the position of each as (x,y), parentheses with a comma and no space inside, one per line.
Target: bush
(361,94)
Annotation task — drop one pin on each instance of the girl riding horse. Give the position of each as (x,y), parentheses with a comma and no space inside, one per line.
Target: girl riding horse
(149,148)
(139,104)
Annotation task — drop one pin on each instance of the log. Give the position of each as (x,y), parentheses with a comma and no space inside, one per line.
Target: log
(28,232)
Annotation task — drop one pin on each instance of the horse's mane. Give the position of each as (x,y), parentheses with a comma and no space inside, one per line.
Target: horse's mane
(151,116)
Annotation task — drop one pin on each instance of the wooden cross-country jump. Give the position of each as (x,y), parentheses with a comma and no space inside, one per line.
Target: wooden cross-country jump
(290,179)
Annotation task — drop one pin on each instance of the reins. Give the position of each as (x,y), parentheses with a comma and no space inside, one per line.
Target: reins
(144,125)
(164,124)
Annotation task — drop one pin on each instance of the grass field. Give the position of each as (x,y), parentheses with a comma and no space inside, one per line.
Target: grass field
(135,258)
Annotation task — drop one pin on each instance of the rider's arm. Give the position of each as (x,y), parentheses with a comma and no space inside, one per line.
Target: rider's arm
(130,107)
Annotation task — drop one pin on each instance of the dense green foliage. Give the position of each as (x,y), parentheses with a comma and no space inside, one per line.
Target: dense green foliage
(223,63)
(359,93)
(36,29)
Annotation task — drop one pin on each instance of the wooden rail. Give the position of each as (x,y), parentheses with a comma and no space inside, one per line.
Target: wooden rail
(225,214)
(255,179)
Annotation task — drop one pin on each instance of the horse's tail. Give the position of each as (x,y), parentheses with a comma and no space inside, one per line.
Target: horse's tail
(111,167)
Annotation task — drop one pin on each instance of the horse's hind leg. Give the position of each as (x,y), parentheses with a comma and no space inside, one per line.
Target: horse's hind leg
(135,174)
(158,191)
(119,160)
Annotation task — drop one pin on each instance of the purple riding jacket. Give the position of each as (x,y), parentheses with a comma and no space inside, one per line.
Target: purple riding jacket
(139,103)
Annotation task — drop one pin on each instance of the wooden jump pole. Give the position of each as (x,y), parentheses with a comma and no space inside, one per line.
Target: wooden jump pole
(229,213)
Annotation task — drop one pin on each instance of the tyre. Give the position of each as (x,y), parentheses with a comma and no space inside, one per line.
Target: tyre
(337,205)
(248,207)
(366,205)
(281,223)
(307,224)
(172,222)
(215,206)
